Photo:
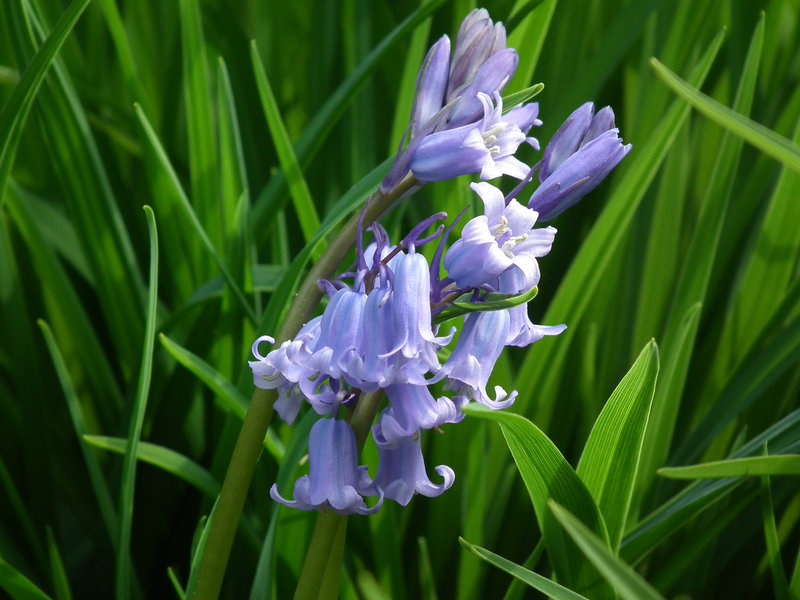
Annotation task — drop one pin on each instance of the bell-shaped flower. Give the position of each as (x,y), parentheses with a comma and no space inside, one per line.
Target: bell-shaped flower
(401,472)
(581,154)
(412,407)
(490,78)
(431,85)
(341,330)
(334,480)
(411,310)
(486,147)
(470,365)
(478,38)
(521,330)
(491,243)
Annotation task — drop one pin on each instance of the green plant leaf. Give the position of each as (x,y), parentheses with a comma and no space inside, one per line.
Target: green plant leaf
(163,458)
(17,585)
(124,569)
(16,108)
(536,581)
(547,475)
(785,464)
(761,137)
(628,583)
(610,460)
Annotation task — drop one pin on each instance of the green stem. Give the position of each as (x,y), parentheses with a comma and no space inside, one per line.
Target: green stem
(222,527)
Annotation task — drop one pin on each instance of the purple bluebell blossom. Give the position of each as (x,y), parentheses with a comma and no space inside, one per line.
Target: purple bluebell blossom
(401,472)
(468,368)
(521,330)
(412,407)
(335,480)
(581,154)
(497,240)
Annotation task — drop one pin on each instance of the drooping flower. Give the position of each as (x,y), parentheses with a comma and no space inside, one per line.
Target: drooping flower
(401,472)
(581,154)
(412,407)
(335,480)
(521,330)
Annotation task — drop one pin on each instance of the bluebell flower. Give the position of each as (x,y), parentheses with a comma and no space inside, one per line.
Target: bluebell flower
(521,330)
(469,367)
(581,154)
(334,480)
(497,240)
(412,407)
(401,472)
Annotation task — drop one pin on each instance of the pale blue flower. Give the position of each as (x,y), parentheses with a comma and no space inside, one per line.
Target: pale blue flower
(412,407)
(401,472)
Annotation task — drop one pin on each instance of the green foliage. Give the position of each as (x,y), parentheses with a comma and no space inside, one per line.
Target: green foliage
(254,130)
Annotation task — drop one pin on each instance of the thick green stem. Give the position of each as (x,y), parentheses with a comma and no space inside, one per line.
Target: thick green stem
(222,527)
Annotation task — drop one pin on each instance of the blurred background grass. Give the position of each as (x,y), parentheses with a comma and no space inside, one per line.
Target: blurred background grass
(693,241)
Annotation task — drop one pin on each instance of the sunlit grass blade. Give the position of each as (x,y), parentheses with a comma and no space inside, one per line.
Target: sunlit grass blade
(16,108)
(548,475)
(785,464)
(610,460)
(773,544)
(761,137)
(540,372)
(628,583)
(123,587)
(158,150)
(298,188)
(17,585)
(228,395)
(107,511)
(163,458)
(57,571)
(200,121)
(536,581)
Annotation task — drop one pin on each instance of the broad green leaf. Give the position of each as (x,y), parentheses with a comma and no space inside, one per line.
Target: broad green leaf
(610,460)
(17,585)
(16,108)
(298,188)
(163,458)
(761,137)
(547,475)
(628,583)
(536,581)
(124,569)
(741,467)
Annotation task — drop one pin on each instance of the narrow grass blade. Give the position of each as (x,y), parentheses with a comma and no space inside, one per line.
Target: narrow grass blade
(610,460)
(123,586)
(17,585)
(16,108)
(548,475)
(536,581)
(785,464)
(163,458)
(57,571)
(103,496)
(303,204)
(773,544)
(158,150)
(628,583)
(200,121)
(528,37)
(427,580)
(176,584)
(761,137)
(198,551)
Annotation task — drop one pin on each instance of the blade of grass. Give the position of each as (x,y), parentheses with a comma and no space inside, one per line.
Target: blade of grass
(628,583)
(741,467)
(57,571)
(759,136)
(123,579)
(16,108)
(298,188)
(773,544)
(158,150)
(528,37)
(17,585)
(536,581)
(163,458)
